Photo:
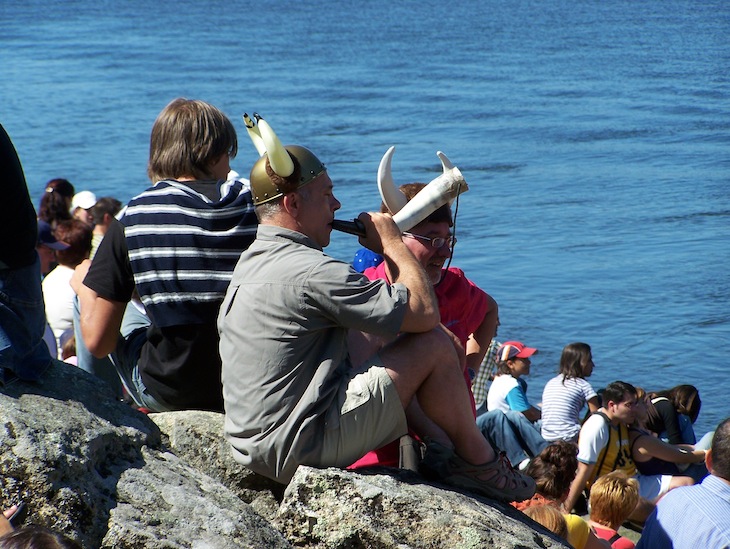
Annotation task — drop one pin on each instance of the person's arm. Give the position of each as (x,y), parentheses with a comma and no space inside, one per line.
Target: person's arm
(584,472)
(100,318)
(384,237)
(594,404)
(478,342)
(517,401)
(649,446)
(669,417)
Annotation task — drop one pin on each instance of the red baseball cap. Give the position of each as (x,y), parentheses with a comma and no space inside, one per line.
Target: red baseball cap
(514,349)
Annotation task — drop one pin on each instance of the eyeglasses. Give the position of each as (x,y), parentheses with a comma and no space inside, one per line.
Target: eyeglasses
(437,242)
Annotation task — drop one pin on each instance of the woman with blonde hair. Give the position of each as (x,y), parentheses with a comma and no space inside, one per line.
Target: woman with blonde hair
(613,497)
(550,517)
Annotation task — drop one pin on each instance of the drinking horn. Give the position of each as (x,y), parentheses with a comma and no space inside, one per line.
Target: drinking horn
(445,188)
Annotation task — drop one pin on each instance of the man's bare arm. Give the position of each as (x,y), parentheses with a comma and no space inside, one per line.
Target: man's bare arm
(384,237)
(578,485)
(100,318)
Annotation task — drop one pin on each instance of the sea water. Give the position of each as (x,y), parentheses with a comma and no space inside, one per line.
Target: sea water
(594,136)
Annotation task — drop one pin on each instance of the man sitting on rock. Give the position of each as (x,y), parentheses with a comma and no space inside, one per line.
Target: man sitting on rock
(292,396)
(175,248)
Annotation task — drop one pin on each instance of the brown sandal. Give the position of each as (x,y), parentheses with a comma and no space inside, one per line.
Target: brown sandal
(496,479)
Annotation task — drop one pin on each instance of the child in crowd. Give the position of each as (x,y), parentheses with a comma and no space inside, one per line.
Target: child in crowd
(613,498)
(553,470)
(566,394)
(550,517)
(508,391)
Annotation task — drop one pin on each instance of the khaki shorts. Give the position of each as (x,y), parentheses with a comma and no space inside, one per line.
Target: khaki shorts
(370,415)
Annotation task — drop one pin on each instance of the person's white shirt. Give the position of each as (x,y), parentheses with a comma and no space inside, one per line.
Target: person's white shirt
(59,299)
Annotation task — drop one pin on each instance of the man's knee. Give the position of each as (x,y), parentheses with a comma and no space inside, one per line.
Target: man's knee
(434,347)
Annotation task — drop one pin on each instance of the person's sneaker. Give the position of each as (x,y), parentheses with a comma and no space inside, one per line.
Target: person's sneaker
(496,480)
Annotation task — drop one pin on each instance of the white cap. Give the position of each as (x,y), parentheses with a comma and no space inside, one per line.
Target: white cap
(84,200)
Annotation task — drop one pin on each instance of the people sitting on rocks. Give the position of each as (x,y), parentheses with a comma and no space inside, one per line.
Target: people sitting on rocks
(699,515)
(469,312)
(508,390)
(553,471)
(653,456)
(57,292)
(23,352)
(604,445)
(292,395)
(613,498)
(568,393)
(175,248)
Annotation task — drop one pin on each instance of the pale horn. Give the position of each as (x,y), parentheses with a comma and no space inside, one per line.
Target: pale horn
(254,134)
(392,197)
(279,159)
(441,190)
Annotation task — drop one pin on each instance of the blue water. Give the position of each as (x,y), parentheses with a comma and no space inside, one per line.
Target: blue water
(595,137)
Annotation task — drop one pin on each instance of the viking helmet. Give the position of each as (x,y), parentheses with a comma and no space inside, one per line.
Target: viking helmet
(280,169)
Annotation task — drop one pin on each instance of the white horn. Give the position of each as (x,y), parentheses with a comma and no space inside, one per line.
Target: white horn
(392,197)
(253,133)
(443,189)
(445,162)
(279,159)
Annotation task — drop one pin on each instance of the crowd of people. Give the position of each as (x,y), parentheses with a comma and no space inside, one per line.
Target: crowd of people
(211,292)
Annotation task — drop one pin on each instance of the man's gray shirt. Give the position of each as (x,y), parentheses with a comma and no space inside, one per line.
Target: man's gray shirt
(283,327)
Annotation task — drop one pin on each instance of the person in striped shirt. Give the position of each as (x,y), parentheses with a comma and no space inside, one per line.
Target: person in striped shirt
(567,394)
(162,270)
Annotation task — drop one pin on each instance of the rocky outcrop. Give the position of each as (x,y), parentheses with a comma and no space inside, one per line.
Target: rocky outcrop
(108,476)
(335,508)
(97,471)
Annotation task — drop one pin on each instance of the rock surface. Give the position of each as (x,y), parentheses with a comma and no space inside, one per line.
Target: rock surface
(96,471)
(108,476)
(339,509)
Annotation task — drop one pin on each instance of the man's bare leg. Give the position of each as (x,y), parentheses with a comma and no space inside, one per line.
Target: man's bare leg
(427,365)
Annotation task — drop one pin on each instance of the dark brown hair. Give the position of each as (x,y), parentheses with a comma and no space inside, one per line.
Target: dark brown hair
(105,205)
(78,236)
(554,469)
(56,201)
(684,398)
(36,537)
(573,358)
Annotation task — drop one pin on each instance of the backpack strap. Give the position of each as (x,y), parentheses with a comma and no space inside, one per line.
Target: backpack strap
(599,465)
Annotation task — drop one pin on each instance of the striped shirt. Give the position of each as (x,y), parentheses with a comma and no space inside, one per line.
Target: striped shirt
(562,401)
(691,516)
(183,247)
